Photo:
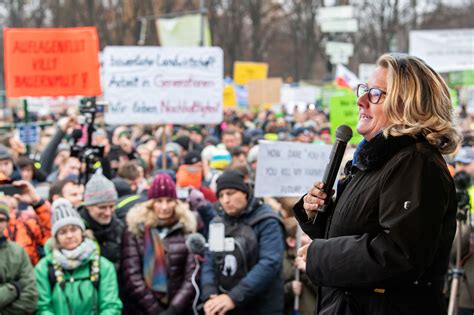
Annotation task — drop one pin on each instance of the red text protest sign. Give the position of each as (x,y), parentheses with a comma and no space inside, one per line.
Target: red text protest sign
(51,61)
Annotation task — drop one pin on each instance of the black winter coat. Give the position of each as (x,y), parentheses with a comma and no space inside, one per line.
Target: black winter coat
(109,237)
(383,247)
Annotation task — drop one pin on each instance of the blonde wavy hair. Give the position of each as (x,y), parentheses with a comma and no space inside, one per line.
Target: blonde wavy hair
(418,102)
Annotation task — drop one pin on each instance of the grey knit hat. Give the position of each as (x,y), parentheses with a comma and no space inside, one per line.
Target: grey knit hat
(99,189)
(62,214)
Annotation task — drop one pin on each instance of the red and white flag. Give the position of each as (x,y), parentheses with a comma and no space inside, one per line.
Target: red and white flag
(345,78)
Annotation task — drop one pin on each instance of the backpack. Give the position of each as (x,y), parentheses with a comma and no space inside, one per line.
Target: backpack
(233,266)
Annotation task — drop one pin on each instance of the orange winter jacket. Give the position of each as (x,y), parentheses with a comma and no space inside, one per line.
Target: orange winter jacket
(30,229)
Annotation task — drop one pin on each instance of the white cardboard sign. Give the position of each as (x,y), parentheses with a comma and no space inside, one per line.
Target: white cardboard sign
(444,50)
(288,169)
(157,85)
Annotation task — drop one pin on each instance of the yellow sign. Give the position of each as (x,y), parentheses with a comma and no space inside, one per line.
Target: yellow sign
(230,98)
(246,71)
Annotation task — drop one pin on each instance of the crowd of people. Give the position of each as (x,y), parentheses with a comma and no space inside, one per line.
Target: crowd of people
(119,243)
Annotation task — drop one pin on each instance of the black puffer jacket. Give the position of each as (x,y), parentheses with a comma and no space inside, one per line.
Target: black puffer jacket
(180,265)
(384,246)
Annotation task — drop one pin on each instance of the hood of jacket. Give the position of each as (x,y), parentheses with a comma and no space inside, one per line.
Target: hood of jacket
(142,214)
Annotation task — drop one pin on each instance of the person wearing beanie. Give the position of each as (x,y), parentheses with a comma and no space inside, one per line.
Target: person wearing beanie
(156,265)
(7,167)
(98,213)
(257,289)
(73,278)
(17,285)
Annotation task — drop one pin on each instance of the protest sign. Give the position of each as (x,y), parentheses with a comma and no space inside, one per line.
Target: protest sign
(453,94)
(264,91)
(288,169)
(29,133)
(461,78)
(344,110)
(155,85)
(444,50)
(247,71)
(230,98)
(51,62)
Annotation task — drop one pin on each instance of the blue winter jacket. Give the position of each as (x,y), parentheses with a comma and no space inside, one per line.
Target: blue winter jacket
(261,290)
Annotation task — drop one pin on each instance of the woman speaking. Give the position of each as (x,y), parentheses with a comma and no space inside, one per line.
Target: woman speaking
(383,245)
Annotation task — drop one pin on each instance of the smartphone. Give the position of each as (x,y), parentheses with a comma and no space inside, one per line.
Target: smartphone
(9,190)
(216,237)
(182,193)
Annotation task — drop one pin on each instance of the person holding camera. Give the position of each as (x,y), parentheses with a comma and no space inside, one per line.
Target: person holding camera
(30,228)
(245,278)
(18,294)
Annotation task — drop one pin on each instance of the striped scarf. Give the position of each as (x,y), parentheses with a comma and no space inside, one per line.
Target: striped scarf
(154,262)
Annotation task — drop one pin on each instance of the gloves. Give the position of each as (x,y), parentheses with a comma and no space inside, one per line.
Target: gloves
(196,199)
(171,310)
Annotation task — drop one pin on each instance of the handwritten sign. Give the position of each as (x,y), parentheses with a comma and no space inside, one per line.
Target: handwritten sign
(52,62)
(246,71)
(288,169)
(344,110)
(155,85)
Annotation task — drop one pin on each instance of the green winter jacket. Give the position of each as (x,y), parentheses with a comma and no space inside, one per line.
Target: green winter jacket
(79,289)
(15,266)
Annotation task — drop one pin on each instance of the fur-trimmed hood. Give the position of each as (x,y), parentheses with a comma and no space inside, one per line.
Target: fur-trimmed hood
(142,214)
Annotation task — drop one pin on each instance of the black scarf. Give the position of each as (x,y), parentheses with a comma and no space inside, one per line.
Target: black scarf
(376,152)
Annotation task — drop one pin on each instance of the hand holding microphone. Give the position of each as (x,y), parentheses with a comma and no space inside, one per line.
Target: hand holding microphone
(317,197)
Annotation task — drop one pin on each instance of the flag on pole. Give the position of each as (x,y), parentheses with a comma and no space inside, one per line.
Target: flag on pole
(345,78)
(183,31)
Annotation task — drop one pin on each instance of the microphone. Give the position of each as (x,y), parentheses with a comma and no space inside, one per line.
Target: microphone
(343,135)
(196,244)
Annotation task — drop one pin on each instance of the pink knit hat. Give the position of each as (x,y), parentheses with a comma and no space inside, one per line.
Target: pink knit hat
(162,186)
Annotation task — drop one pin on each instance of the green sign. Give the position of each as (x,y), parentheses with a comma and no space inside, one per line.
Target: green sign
(461,78)
(329,91)
(344,110)
(454,97)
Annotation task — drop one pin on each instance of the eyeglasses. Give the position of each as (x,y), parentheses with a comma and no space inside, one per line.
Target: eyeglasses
(375,94)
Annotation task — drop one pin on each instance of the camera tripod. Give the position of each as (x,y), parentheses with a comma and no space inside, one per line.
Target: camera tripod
(458,273)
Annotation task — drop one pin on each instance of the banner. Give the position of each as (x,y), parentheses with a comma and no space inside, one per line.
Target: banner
(51,62)
(184,31)
(288,169)
(444,50)
(154,85)
(343,110)
(264,91)
(247,71)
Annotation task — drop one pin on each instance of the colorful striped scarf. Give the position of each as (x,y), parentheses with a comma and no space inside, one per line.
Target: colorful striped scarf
(154,262)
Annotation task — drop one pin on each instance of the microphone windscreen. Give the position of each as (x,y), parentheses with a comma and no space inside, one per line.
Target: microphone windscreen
(196,243)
